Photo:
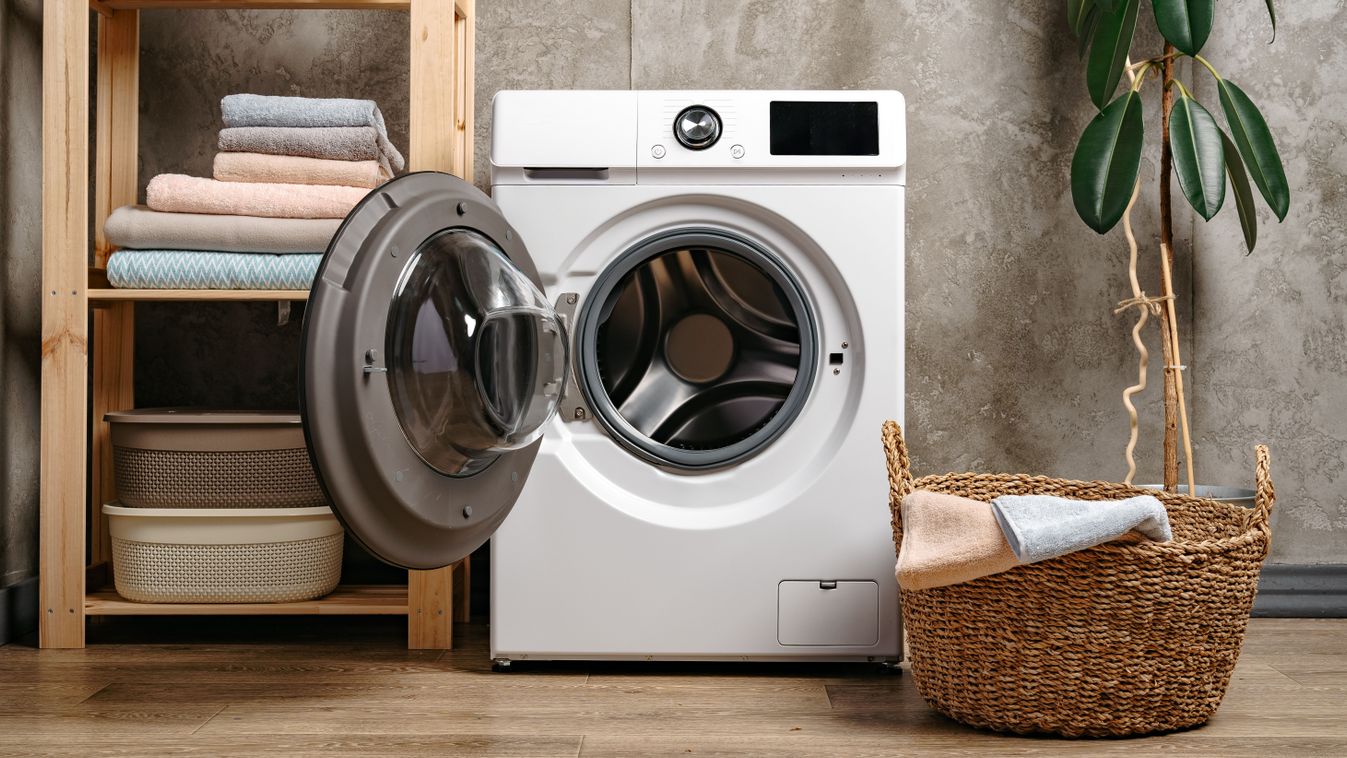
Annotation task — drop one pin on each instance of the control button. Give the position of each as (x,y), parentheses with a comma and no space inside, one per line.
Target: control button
(736,151)
(657,151)
(697,127)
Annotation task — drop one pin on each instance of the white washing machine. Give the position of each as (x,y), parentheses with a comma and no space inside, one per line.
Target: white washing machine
(665,351)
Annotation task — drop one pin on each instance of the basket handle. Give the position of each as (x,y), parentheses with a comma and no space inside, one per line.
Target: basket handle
(1264,494)
(900,474)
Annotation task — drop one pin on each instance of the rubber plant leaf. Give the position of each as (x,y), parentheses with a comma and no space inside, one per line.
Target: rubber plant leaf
(1076,12)
(1250,134)
(1089,25)
(1186,24)
(1272,14)
(1106,162)
(1199,157)
(1108,53)
(1108,6)
(1239,182)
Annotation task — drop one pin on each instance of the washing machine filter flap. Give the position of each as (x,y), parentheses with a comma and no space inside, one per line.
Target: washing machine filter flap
(431,363)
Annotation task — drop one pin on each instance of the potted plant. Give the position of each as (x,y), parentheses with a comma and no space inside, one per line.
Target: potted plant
(1193,145)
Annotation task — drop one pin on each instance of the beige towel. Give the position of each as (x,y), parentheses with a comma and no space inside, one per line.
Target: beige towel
(294,169)
(949,539)
(177,193)
(135,226)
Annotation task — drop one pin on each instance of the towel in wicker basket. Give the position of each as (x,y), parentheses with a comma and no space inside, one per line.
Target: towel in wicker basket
(1120,639)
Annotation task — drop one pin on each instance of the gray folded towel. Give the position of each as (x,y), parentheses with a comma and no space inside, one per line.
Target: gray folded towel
(342,143)
(135,226)
(270,110)
(1039,527)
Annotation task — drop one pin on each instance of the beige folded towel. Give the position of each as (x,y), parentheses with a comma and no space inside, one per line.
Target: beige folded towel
(135,226)
(294,169)
(949,539)
(178,193)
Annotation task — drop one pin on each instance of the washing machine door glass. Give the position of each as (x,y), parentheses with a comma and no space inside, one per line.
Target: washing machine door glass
(432,362)
(476,356)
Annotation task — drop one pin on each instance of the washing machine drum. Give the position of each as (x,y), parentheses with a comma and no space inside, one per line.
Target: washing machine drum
(695,348)
(431,363)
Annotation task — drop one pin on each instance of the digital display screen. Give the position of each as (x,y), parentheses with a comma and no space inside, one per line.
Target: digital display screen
(824,128)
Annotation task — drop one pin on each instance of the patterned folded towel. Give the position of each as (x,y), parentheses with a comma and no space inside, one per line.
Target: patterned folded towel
(195,269)
(294,169)
(339,143)
(135,226)
(271,110)
(178,193)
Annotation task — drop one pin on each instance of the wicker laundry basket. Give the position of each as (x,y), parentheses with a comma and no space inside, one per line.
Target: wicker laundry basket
(224,555)
(169,458)
(1125,638)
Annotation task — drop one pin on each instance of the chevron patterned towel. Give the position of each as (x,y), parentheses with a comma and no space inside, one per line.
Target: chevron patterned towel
(198,270)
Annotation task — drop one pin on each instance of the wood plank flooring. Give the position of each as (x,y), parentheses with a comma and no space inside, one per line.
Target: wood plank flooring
(337,687)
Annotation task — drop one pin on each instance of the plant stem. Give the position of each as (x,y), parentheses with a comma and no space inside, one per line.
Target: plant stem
(1156,59)
(1167,327)
(1139,78)
(1210,68)
(1173,336)
(1182,88)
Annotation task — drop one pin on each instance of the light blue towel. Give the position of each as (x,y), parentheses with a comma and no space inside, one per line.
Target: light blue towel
(196,270)
(1039,527)
(272,110)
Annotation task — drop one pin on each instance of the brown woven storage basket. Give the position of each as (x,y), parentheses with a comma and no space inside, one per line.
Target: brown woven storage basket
(1126,638)
(170,458)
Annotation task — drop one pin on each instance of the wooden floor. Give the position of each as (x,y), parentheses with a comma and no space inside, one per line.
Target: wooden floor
(332,687)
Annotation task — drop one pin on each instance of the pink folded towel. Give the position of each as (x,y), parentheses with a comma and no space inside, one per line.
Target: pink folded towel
(177,193)
(949,539)
(294,169)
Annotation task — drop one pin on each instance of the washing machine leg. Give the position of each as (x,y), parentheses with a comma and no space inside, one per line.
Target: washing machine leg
(501,665)
(892,668)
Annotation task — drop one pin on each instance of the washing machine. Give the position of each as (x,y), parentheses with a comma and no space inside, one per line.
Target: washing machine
(664,349)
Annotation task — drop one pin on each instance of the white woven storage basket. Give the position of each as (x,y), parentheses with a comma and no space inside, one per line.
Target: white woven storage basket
(224,555)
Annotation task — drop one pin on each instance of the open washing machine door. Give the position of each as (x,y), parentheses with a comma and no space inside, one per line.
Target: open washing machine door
(431,364)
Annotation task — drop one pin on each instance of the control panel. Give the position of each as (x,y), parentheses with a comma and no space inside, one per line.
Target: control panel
(771,129)
(726,136)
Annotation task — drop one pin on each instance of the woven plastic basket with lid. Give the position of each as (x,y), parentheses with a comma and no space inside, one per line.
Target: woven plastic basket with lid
(1126,638)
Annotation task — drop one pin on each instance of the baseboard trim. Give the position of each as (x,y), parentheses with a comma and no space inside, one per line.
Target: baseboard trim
(18,610)
(1288,590)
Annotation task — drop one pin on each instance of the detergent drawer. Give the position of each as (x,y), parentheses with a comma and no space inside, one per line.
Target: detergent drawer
(827,612)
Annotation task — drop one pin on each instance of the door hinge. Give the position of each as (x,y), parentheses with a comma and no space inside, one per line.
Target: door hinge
(572,406)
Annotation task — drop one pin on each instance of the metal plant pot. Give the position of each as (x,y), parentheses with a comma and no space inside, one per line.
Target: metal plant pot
(1242,496)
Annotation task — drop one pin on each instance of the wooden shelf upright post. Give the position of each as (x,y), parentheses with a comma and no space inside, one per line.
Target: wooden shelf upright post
(65,311)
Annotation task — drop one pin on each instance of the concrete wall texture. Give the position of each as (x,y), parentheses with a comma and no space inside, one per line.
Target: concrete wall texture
(1271,329)
(1016,361)
(20,285)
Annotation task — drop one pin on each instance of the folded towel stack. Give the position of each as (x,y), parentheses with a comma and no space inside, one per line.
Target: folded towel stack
(289,169)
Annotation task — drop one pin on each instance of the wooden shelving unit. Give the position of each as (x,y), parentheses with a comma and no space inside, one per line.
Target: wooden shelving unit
(110,295)
(347,600)
(88,328)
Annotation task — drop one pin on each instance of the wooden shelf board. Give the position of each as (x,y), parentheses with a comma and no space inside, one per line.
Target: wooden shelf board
(346,600)
(250,4)
(107,294)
